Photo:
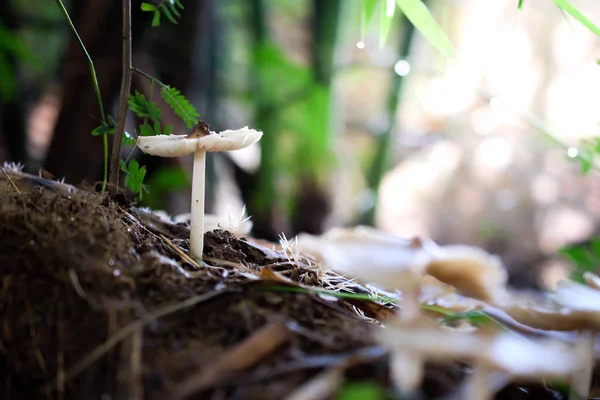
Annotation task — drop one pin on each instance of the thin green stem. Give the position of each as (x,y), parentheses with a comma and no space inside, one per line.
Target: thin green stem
(380,162)
(150,77)
(95,82)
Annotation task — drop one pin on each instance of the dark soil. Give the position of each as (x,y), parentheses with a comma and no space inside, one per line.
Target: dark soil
(97,302)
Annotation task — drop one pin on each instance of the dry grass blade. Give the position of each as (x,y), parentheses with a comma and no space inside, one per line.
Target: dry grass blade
(125,332)
(244,355)
(180,252)
(10,180)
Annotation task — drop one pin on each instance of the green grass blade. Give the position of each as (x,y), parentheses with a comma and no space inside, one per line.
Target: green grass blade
(368,9)
(418,14)
(388,9)
(569,8)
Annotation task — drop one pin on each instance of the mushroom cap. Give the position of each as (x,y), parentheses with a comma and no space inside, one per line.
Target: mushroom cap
(368,255)
(552,319)
(181,145)
(577,297)
(471,270)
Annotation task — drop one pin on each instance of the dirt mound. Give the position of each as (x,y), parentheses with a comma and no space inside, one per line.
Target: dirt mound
(99,300)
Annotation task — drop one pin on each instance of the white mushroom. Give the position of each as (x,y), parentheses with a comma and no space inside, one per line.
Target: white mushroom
(511,354)
(471,270)
(198,142)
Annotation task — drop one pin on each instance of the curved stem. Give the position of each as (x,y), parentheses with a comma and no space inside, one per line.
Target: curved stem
(197,222)
(95,82)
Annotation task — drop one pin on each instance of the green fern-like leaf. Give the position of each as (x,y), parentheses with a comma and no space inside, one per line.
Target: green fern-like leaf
(144,108)
(180,105)
(163,7)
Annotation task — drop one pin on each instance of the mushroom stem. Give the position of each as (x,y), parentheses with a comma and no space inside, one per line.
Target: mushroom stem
(197,221)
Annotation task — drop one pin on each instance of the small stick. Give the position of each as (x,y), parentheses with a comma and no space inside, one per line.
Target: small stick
(181,253)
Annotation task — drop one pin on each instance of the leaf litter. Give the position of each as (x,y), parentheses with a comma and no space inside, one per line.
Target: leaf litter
(99,299)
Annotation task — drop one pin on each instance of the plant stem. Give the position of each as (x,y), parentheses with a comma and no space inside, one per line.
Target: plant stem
(197,222)
(123,96)
(379,164)
(147,75)
(95,82)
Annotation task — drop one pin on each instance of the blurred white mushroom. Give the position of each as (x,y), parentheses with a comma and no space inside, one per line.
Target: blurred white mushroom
(521,358)
(372,256)
(586,300)
(471,271)
(198,142)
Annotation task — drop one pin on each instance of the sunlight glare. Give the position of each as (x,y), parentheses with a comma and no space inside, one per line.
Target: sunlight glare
(402,68)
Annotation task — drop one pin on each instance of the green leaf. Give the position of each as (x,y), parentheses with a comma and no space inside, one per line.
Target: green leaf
(105,128)
(180,105)
(166,11)
(174,10)
(361,391)
(520,5)
(569,8)
(148,7)
(156,19)
(134,177)
(179,4)
(168,129)
(418,14)
(157,128)
(144,108)
(583,257)
(366,16)
(388,8)
(128,140)
(146,130)
(586,165)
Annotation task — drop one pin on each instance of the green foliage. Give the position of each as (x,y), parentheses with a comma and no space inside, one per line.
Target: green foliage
(180,105)
(308,120)
(11,45)
(418,14)
(167,179)
(584,257)
(144,108)
(105,128)
(570,9)
(388,9)
(361,391)
(134,178)
(520,5)
(168,8)
(366,16)
(587,152)
(128,140)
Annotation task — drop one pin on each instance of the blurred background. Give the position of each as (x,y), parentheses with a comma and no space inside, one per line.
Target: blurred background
(479,150)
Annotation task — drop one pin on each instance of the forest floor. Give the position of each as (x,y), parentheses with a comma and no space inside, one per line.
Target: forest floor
(98,299)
